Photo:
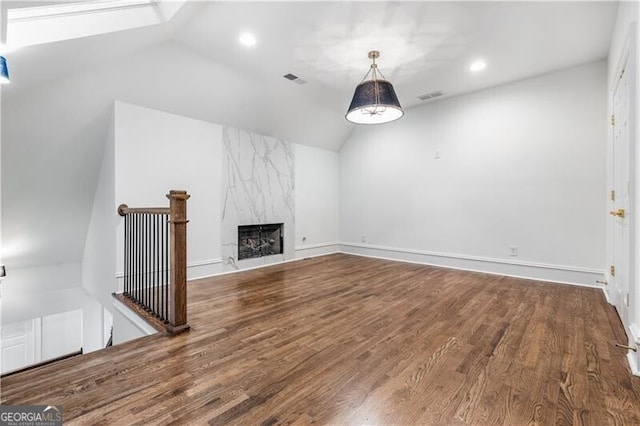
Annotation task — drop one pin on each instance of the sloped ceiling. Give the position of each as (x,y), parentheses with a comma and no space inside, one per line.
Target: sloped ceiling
(56,111)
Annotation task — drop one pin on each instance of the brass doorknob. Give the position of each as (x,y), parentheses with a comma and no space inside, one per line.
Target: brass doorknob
(619,213)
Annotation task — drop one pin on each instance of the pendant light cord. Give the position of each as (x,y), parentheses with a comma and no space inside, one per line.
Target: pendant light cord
(374,71)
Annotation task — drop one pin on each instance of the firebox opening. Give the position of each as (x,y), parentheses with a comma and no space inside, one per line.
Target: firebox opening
(260,240)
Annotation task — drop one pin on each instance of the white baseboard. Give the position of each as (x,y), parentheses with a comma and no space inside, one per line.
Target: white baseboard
(301,252)
(634,357)
(632,331)
(507,267)
(204,269)
(520,269)
(605,288)
(313,250)
(321,250)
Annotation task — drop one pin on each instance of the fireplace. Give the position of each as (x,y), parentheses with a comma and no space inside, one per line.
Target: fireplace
(260,240)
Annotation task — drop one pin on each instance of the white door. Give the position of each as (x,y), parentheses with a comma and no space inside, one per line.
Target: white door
(620,198)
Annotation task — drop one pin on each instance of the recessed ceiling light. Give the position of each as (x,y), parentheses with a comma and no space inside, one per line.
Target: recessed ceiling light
(478,66)
(247,39)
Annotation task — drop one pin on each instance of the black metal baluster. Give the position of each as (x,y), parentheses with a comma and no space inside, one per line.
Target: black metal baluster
(141,270)
(132,256)
(159,272)
(159,268)
(150,263)
(150,271)
(130,244)
(144,256)
(151,257)
(126,252)
(155,264)
(145,261)
(136,256)
(162,301)
(150,260)
(159,265)
(128,257)
(139,258)
(166,267)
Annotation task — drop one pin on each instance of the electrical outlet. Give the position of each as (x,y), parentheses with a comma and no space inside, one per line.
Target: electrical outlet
(513,250)
(363,238)
(437,155)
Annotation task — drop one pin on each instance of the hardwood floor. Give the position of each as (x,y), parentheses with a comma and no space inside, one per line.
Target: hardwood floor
(348,340)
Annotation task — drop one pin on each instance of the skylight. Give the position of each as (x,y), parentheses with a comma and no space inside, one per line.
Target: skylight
(27,26)
(48,11)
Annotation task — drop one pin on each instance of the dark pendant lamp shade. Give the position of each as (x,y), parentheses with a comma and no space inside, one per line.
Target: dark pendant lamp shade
(4,71)
(374,101)
(365,110)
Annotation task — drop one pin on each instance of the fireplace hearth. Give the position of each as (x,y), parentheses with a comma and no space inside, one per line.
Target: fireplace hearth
(260,240)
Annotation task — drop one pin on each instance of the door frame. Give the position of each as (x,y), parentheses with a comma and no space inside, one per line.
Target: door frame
(626,59)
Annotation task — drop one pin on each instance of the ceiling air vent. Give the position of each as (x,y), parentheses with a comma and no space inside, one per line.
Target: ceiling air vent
(294,78)
(431,95)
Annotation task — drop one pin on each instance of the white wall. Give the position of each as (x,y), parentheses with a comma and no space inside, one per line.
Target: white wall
(317,194)
(156,152)
(41,279)
(519,164)
(99,259)
(127,325)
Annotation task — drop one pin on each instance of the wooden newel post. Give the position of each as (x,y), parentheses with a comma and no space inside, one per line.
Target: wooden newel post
(178,260)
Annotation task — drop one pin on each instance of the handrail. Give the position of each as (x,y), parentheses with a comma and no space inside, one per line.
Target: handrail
(156,261)
(124,210)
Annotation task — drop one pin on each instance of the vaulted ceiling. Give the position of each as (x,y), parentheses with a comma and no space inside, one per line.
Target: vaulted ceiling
(56,111)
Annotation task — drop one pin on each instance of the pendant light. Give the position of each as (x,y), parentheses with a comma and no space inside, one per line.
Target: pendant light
(374,100)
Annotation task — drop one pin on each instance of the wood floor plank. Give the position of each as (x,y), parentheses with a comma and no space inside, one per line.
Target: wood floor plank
(343,339)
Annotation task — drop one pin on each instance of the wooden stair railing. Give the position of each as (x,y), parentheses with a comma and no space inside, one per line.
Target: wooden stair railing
(155,263)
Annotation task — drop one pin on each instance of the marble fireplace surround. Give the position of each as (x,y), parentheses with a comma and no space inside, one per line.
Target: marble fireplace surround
(258,187)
